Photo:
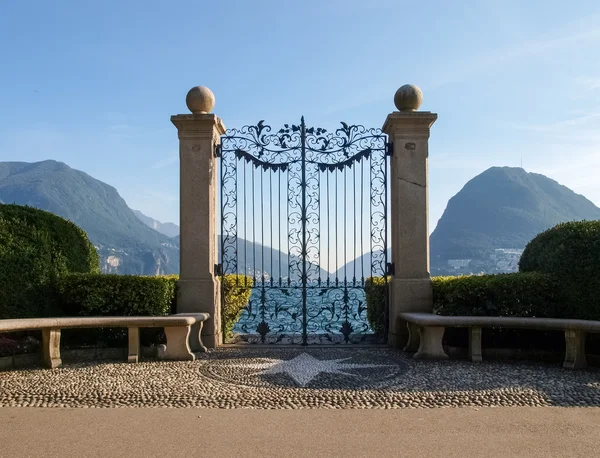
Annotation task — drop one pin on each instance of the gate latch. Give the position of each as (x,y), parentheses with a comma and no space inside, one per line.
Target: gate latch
(218,270)
(389,269)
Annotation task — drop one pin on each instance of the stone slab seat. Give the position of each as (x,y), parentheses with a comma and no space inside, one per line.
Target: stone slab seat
(182,332)
(426,331)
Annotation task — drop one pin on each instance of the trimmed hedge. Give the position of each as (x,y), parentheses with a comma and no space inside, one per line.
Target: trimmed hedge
(129,295)
(566,249)
(36,249)
(116,295)
(375,295)
(236,290)
(517,294)
(570,252)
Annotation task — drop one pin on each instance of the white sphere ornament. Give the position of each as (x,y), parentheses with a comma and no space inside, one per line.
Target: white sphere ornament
(408,98)
(200,100)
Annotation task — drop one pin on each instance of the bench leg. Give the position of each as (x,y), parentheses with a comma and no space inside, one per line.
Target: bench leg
(475,344)
(178,345)
(575,350)
(133,355)
(430,346)
(413,338)
(51,347)
(196,338)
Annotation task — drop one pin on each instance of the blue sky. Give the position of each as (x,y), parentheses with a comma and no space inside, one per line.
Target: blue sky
(93,83)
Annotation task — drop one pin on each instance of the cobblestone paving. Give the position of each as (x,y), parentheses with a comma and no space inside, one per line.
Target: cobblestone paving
(301,378)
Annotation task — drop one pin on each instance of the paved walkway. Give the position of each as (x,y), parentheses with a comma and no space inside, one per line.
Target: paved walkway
(464,432)
(335,378)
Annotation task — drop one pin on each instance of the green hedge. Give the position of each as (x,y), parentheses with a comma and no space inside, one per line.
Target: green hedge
(128,295)
(236,291)
(36,249)
(570,252)
(376,296)
(517,294)
(566,249)
(116,295)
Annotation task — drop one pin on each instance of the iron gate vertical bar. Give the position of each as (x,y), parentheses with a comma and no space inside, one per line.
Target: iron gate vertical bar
(386,308)
(303,213)
(221,255)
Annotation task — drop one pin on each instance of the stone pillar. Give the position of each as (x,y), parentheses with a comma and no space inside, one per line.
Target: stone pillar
(198,287)
(410,287)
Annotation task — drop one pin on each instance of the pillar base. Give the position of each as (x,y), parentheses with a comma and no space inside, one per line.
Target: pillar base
(407,295)
(202,296)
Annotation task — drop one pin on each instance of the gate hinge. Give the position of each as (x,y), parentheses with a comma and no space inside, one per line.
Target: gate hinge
(218,150)
(389,269)
(389,149)
(218,271)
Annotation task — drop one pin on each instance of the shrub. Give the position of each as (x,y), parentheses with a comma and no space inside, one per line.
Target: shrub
(236,290)
(128,295)
(376,297)
(570,252)
(567,248)
(518,294)
(36,249)
(116,295)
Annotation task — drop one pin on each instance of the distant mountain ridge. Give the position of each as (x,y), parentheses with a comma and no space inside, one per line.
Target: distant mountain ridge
(168,229)
(503,207)
(125,244)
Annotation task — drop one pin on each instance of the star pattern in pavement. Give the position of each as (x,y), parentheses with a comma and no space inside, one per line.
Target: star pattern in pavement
(304,367)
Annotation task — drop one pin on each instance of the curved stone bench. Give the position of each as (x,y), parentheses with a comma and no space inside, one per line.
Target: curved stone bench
(182,342)
(426,331)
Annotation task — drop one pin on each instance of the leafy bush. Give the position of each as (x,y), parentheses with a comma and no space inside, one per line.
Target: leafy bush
(236,290)
(571,253)
(36,249)
(567,248)
(518,294)
(376,297)
(116,295)
(129,295)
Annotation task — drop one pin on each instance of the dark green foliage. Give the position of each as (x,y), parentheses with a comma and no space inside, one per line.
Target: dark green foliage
(519,294)
(566,249)
(95,207)
(130,295)
(37,248)
(376,296)
(571,252)
(503,208)
(236,291)
(116,295)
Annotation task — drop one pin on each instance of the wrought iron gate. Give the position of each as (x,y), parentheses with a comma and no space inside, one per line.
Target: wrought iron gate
(304,224)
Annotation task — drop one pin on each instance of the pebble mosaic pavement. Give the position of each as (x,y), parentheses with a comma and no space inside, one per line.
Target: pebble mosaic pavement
(289,378)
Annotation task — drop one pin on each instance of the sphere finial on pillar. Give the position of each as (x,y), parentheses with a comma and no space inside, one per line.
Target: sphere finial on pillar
(200,100)
(408,98)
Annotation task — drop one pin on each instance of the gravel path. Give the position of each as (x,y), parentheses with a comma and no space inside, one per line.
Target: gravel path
(301,378)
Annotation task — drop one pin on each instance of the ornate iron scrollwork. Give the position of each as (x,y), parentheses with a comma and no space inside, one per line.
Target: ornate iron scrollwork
(300,176)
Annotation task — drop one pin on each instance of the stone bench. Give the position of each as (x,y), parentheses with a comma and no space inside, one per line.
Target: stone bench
(426,331)
(182,332)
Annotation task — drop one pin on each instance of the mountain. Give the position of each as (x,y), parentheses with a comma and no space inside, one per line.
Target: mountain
(168,229)
(502,208)
(362,266)
(126,245)
(254,258)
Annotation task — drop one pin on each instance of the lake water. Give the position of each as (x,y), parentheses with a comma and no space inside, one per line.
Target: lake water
(334,315)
